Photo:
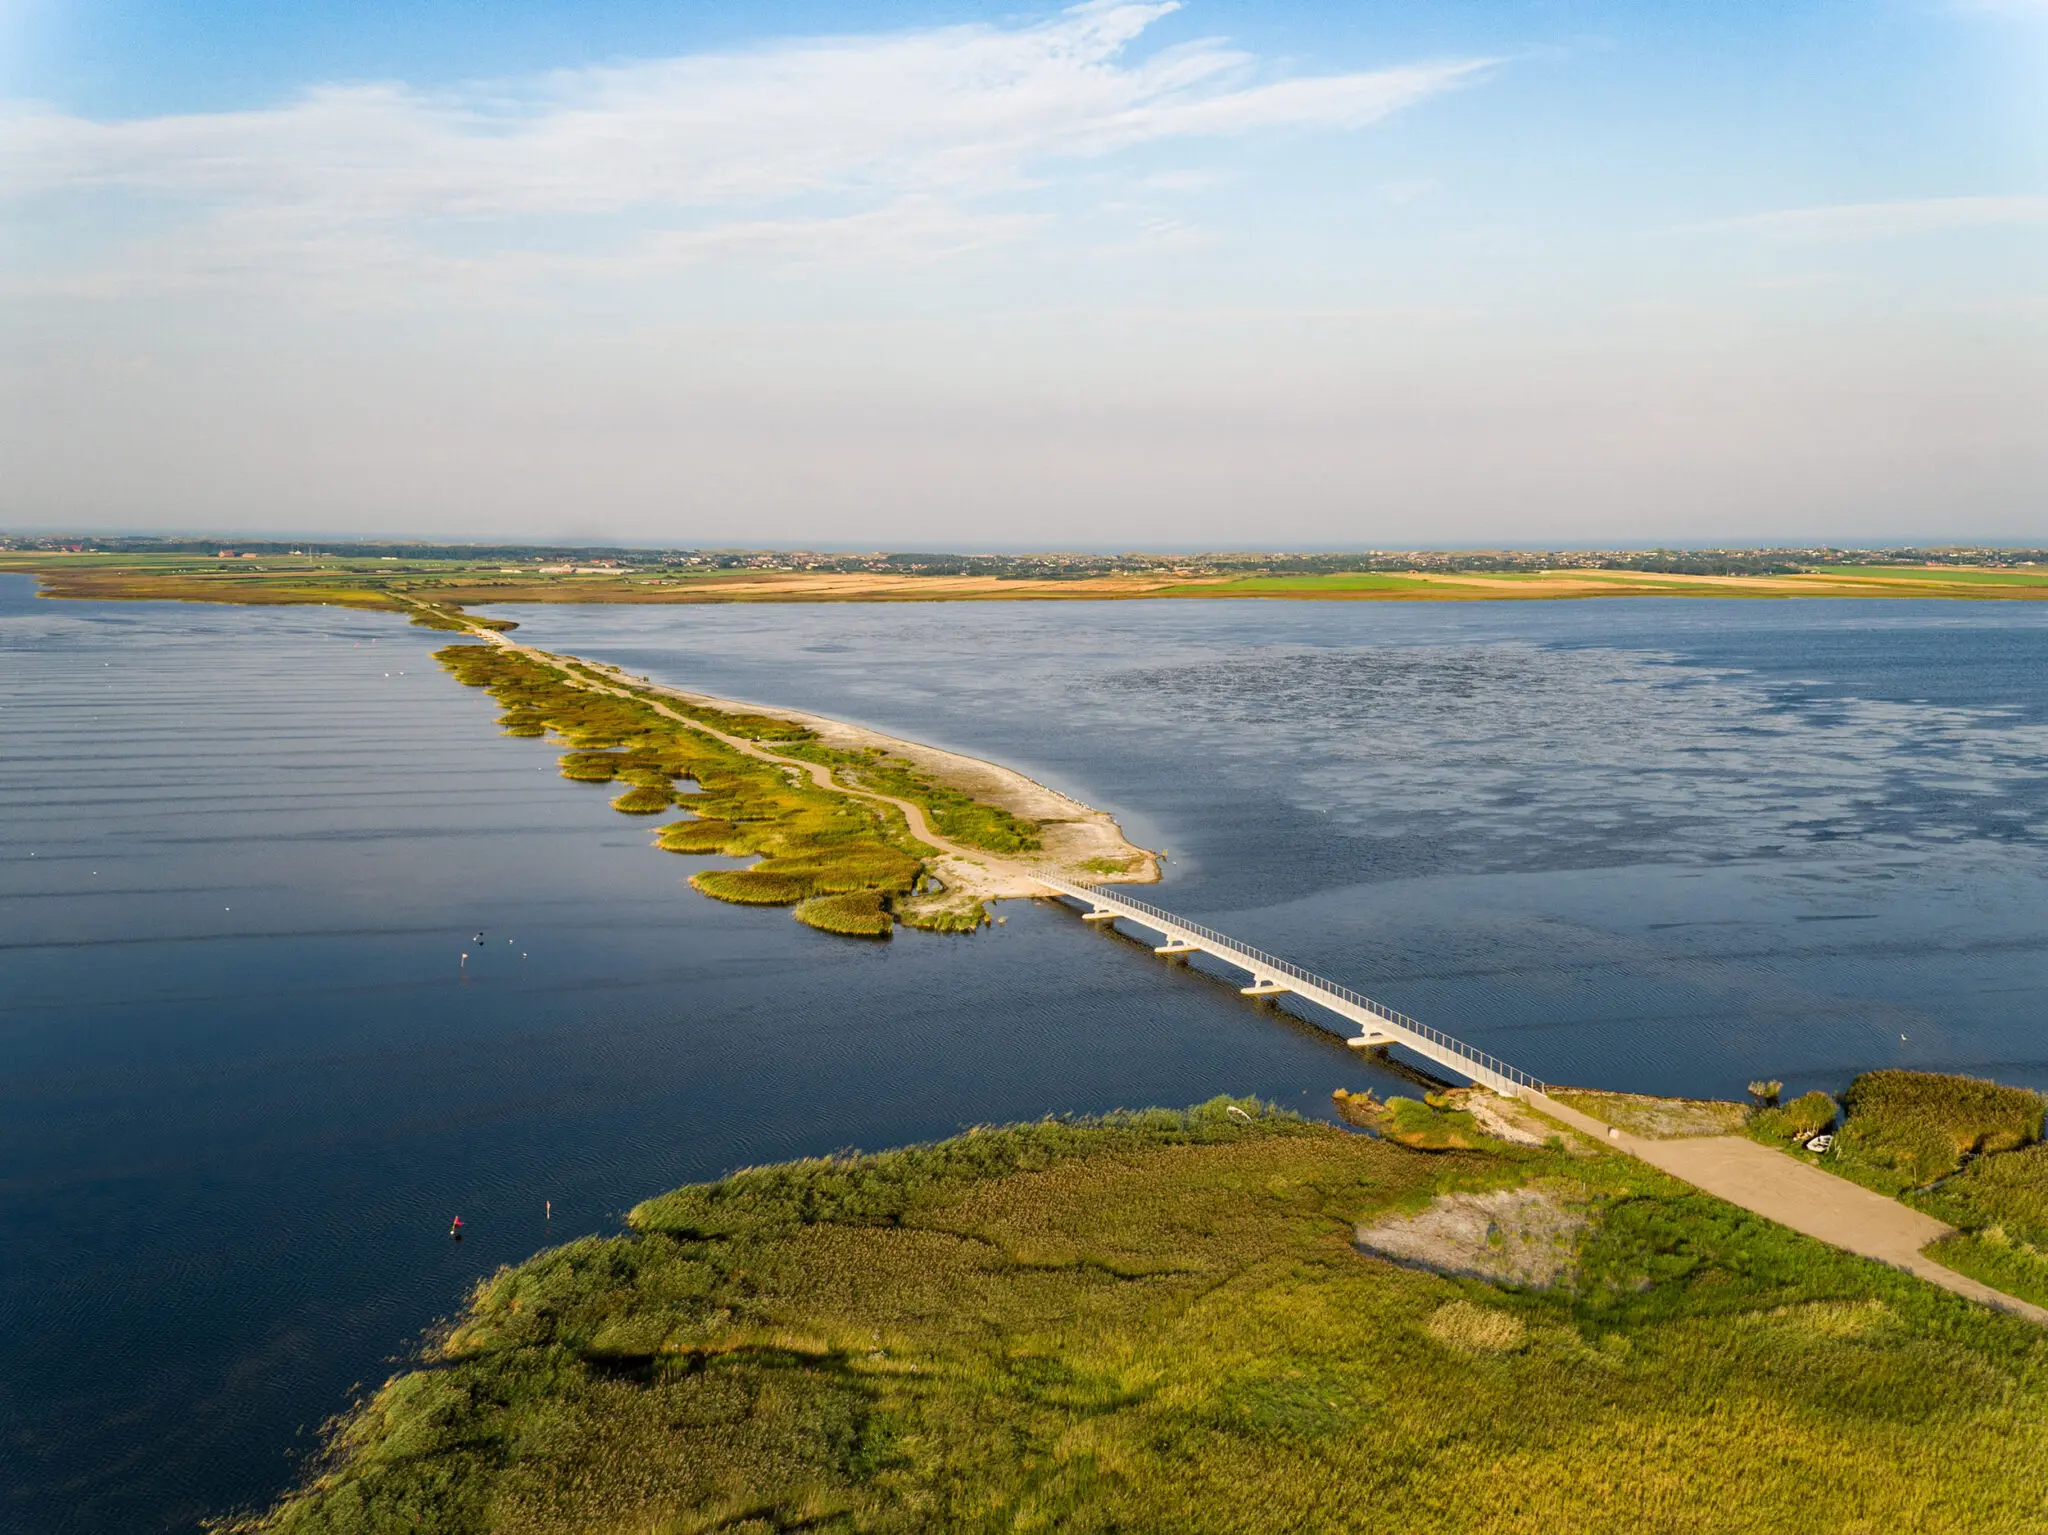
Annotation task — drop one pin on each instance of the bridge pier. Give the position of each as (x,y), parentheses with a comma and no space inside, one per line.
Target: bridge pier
(1272,976)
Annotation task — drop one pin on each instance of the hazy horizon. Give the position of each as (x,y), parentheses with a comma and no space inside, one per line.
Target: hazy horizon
(1123,276)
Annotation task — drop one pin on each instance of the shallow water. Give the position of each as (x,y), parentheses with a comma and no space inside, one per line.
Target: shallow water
(247,1079)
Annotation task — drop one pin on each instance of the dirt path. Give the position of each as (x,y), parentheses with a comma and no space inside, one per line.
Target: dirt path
(1801,1196)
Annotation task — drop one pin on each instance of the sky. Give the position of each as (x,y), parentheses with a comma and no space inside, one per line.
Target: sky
(902,274)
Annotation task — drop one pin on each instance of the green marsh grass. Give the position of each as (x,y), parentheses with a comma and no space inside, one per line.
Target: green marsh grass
(644,799)
(954,815)
(750,887)
(1159,1321)
(1905,1129)
(811,842)
(855,914)
(1789,1123)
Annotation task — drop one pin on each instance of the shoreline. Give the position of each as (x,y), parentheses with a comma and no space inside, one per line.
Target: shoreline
(1078,843)
(1078,837)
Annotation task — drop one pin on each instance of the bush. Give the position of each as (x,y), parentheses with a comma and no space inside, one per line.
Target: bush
(1804,1116)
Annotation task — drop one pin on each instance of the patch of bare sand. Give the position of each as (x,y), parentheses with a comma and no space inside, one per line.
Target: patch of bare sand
(1505,1119)
(1511,1236)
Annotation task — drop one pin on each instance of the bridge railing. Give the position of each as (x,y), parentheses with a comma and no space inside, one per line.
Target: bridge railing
(1232,948)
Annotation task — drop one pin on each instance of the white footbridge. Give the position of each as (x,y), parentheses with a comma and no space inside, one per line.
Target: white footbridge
(1272,976)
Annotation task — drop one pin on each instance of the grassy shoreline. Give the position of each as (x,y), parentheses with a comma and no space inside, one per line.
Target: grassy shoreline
(845,864)
(1161,1321)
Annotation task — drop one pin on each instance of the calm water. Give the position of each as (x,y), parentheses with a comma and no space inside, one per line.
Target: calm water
(245,1081)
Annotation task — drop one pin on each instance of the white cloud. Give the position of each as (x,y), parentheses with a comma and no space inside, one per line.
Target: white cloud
(904,120)
(1893,220)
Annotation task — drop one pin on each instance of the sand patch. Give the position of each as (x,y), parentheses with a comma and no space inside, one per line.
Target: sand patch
(1520,1237)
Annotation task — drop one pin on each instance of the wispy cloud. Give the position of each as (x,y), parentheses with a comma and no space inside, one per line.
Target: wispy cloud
(1893,220)
(733,145)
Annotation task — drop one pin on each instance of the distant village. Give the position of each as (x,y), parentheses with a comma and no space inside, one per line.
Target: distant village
(553,559)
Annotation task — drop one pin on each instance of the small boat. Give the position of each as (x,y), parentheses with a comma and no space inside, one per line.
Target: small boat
(1820,1144)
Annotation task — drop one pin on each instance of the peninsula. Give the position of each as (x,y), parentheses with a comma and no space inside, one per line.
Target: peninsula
(1217,1320)
(854,829)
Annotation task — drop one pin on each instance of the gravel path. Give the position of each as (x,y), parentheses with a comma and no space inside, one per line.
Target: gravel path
(1801,1196)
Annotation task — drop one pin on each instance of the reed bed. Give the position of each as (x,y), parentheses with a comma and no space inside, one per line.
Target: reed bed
(812,844)
(855,914)
(1908,1128)
(1158,1321)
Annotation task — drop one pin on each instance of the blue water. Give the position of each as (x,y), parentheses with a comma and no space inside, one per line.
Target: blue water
(245,1079)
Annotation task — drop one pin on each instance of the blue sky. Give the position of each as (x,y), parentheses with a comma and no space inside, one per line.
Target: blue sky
(1214,274)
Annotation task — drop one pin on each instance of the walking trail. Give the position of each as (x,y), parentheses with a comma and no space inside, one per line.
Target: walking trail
(969,870)
(1801,1196)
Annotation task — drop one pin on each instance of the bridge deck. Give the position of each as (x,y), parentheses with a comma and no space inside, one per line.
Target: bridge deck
(1272,975)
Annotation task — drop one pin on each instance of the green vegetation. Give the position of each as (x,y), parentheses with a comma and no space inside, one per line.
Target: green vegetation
(1159,1322)
(953,815)
(1934,574)
(1432,1125)
(941,917)
(857,914)
(809,841)
(1964,1150)
(1908,1128)
(644,799)
(1794,1123)
(1657,1118)
(1305,586)
(1999,1205)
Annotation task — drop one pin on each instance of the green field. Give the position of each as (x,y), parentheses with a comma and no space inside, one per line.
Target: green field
(1252,586)
(1948,574)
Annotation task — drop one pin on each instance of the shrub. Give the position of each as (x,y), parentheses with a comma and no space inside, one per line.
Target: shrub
(1766,1093)
(1804,1116)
